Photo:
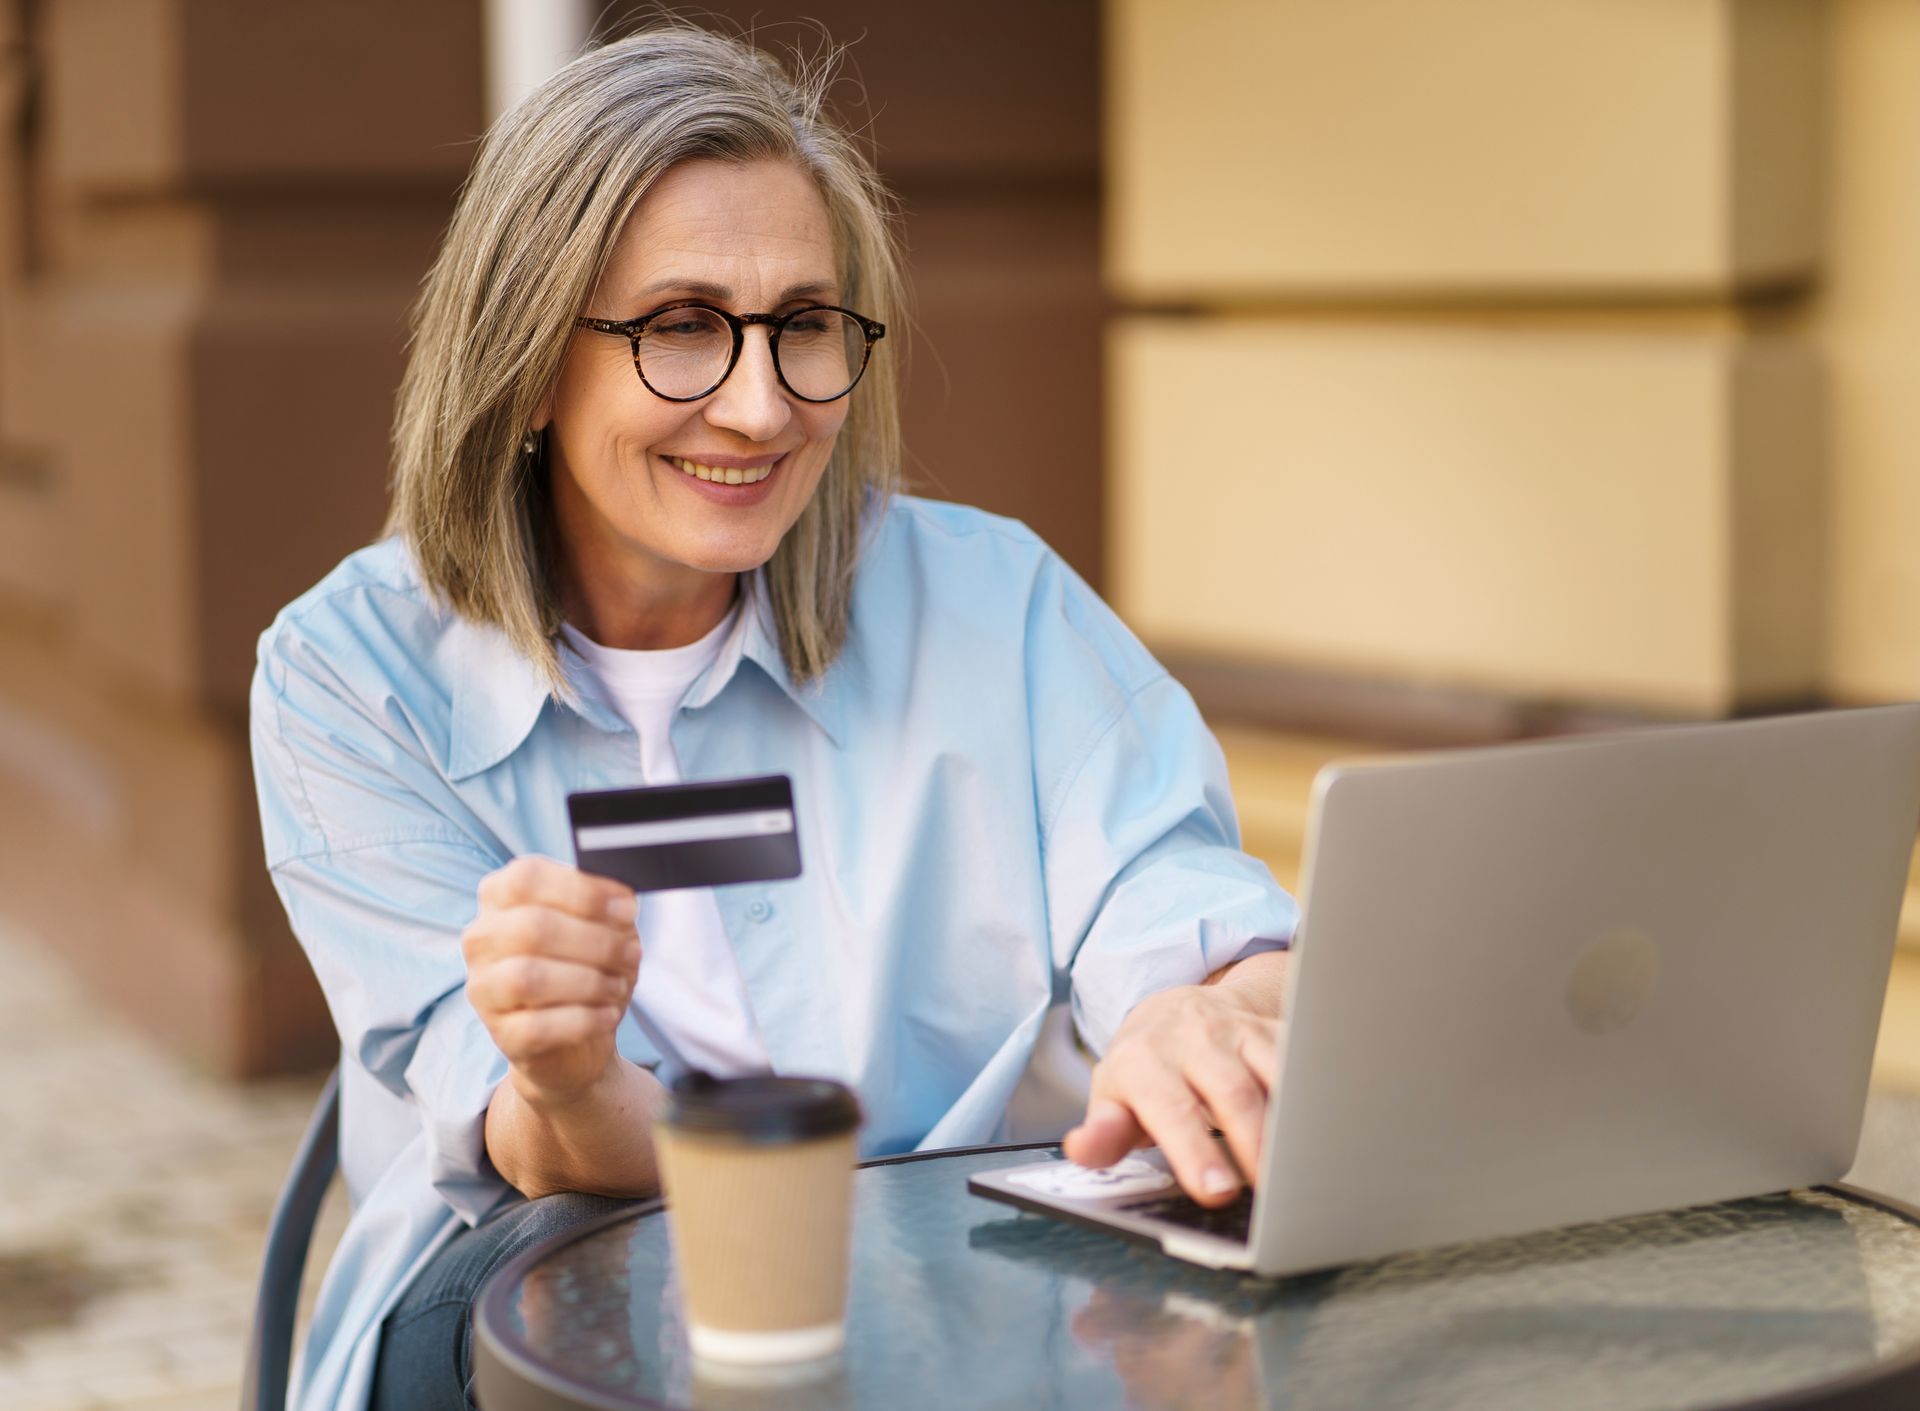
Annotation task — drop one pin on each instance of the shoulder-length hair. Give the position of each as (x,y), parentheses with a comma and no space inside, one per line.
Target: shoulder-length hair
(536,223)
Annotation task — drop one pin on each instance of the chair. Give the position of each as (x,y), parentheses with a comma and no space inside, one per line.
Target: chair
(270,1348)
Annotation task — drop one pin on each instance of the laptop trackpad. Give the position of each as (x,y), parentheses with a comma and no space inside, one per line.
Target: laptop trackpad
(1126,1179)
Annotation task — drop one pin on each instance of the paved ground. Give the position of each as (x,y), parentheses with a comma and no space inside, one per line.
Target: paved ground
(134,1196)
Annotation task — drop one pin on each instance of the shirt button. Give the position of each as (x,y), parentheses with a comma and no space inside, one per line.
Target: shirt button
(759,910)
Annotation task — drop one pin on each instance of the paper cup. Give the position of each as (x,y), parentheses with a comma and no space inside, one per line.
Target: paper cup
(758,1177)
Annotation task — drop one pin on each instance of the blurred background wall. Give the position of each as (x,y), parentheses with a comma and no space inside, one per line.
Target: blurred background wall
(214,218)
(1445,371)
(1487,318)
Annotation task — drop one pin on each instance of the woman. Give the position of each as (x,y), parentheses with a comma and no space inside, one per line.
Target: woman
(644,528)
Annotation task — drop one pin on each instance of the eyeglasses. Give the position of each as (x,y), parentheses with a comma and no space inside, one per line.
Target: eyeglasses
(683,352)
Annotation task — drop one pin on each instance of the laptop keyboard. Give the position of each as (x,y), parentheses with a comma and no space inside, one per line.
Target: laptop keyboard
(1229,1222)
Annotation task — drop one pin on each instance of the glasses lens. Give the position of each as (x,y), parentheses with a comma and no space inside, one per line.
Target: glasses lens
(684,352)
(821,353)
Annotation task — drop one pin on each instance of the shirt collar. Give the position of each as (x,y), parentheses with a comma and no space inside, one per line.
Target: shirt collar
(756,640)
(498,694)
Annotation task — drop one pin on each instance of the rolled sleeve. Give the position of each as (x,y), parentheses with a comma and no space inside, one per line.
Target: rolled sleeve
(378,883)
(1147,885)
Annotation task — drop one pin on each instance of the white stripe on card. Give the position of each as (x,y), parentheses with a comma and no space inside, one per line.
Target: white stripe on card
(708,828)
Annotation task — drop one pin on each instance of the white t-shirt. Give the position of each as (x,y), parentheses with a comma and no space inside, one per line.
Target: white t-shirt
(690,987)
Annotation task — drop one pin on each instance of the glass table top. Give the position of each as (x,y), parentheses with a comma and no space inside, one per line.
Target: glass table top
(957,1301)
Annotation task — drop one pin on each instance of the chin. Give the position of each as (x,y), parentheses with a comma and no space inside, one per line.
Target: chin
(733,557)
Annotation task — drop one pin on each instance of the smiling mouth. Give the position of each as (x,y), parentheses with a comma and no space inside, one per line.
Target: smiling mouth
(722,475)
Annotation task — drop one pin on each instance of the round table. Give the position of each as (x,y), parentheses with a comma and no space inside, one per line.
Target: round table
(1803,1300)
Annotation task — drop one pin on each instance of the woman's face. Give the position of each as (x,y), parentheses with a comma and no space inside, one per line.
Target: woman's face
(636,525)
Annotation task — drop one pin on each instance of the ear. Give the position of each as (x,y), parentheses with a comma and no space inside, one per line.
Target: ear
(543,415)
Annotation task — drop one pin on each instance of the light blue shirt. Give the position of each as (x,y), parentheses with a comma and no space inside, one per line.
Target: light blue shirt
(1002,801)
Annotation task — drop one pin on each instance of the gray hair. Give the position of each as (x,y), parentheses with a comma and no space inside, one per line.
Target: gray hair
(536,223)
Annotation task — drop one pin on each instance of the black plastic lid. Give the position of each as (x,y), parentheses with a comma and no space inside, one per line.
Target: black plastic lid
(763,1108)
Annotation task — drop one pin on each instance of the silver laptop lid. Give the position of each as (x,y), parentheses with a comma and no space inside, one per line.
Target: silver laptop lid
(1569,980)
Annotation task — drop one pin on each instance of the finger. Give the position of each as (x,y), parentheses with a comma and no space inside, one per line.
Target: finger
(1170,1110)
(533,982)
(527,1034)
(1107,1133)
(1236,1101)
(541,931)
(532,880)
(1261,1054)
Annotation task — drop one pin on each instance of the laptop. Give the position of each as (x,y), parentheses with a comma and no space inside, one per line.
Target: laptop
(1559,981)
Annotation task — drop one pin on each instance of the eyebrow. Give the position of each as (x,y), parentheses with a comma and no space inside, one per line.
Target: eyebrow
(721,294)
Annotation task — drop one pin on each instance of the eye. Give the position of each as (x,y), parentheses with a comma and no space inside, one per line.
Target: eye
(680,326)
(688,327)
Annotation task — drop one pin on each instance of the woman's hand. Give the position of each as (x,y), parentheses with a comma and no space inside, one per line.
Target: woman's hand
(551,963)
(1184,1060)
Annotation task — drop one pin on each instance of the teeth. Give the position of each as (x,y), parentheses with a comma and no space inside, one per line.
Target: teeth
(720,475)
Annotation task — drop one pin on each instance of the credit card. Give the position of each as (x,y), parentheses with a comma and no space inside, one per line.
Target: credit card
(710,834)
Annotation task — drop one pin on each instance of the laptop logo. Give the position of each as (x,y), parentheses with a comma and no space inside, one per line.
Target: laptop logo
(1612,981)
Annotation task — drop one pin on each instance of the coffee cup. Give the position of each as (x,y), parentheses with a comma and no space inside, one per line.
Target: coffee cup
(758,1178)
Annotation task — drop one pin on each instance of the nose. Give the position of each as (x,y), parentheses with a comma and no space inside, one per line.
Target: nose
(751,401)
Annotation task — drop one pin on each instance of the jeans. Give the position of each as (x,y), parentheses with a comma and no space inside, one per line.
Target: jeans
(426,1343)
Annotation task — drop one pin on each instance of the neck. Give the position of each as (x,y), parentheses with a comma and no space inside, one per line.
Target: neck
(648,618)
(623,597)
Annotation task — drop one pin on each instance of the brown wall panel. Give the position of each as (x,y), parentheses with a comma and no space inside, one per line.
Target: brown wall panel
(112,71)
(348,93)
(993,92)
(120,844)
(1005,373)
(286,482)
(222,214)
(119,420)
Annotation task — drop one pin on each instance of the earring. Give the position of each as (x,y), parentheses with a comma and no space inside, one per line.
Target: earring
(529,443)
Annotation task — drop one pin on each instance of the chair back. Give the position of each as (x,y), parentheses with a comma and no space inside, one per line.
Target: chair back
(270,1349)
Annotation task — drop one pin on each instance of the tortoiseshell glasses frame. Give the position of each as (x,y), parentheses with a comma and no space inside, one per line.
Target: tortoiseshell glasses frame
(634,329)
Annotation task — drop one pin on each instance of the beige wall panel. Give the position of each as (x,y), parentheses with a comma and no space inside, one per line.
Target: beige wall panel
(1868,328)
(1376,147)
(1530,511)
